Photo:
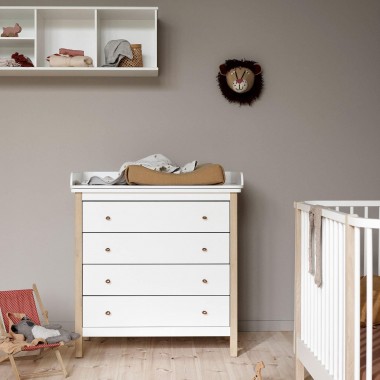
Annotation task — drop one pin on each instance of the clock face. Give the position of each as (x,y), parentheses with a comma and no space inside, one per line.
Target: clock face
(240,79)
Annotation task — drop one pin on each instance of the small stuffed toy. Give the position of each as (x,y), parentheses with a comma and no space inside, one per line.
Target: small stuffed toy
(51,333)
(11,31)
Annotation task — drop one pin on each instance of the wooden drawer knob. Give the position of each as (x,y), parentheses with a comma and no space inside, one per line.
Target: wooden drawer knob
(108,218)
(108,249)
(108,281)
(108,313)
(204,217)
(204,312)
(204,249)
(204,281)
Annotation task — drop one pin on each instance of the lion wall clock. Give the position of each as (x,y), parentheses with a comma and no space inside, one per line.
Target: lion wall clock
(240,81)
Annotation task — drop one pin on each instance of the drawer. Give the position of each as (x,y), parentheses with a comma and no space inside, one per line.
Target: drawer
(156,280)
(155,216)
(124,311)
(155,248)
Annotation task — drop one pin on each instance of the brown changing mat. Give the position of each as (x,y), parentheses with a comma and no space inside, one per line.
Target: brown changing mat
(207,174)
(375,354)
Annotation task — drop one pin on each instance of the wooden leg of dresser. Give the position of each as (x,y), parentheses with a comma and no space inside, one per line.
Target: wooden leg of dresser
(79,348)
(78,273)
(234,345)
(233,277)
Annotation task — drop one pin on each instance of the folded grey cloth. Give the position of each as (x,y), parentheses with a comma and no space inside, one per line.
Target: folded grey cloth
(115,51)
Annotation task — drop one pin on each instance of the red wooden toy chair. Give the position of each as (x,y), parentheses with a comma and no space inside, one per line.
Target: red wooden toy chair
(23,301)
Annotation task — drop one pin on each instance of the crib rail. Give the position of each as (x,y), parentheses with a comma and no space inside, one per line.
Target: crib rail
(327,318)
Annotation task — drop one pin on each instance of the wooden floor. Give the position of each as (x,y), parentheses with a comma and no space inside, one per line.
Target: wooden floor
(172,359)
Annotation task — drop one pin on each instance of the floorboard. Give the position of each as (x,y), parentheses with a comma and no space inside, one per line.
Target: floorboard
(172,359)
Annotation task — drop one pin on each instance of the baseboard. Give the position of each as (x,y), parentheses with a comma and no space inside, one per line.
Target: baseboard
(251,325)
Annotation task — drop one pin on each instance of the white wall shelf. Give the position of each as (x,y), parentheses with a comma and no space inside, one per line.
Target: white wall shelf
(47,29)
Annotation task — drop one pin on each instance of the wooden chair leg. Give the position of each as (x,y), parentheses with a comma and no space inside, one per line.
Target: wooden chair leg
(14,367)
(4,358)
(59,358)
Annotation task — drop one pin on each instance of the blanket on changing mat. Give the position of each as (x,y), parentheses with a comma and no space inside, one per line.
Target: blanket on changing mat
(67,61)
(156,162)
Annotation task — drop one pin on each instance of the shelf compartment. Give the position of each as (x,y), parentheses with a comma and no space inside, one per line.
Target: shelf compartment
(21,46)
(65,28)
(138,26)
(24,17)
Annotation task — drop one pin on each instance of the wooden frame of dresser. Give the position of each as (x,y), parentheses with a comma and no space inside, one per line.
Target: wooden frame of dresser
(230,188)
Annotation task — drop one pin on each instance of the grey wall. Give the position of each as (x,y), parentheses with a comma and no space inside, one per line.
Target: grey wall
(314,134)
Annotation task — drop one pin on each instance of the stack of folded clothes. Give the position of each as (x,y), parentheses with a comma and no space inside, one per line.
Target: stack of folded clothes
(70,58)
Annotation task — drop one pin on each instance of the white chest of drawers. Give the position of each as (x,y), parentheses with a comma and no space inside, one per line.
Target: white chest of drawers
(156,260)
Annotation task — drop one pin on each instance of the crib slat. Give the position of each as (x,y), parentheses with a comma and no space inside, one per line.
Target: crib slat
(357,304)
(319,320)
(368,254)
(302,285)
(312,310)
(339,297)
(323,290)
(303,279)
(307,288)
(327,287)
(335,294)
(308,292)
(341,266)
(331,300)
(365,246)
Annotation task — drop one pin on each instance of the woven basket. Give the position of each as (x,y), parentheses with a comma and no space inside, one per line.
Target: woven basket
(136,61)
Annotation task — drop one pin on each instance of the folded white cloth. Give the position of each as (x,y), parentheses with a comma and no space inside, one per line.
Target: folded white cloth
(8,62)
(156,162)
(67,61)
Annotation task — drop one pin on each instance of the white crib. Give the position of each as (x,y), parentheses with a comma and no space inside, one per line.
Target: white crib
(327,318)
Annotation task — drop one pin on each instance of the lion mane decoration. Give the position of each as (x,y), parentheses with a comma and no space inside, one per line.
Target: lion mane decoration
(240,81)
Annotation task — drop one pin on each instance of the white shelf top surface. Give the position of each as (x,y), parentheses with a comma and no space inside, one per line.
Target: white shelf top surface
(234,183)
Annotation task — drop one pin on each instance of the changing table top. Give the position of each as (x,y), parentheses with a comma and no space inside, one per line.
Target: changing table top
(234,183)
